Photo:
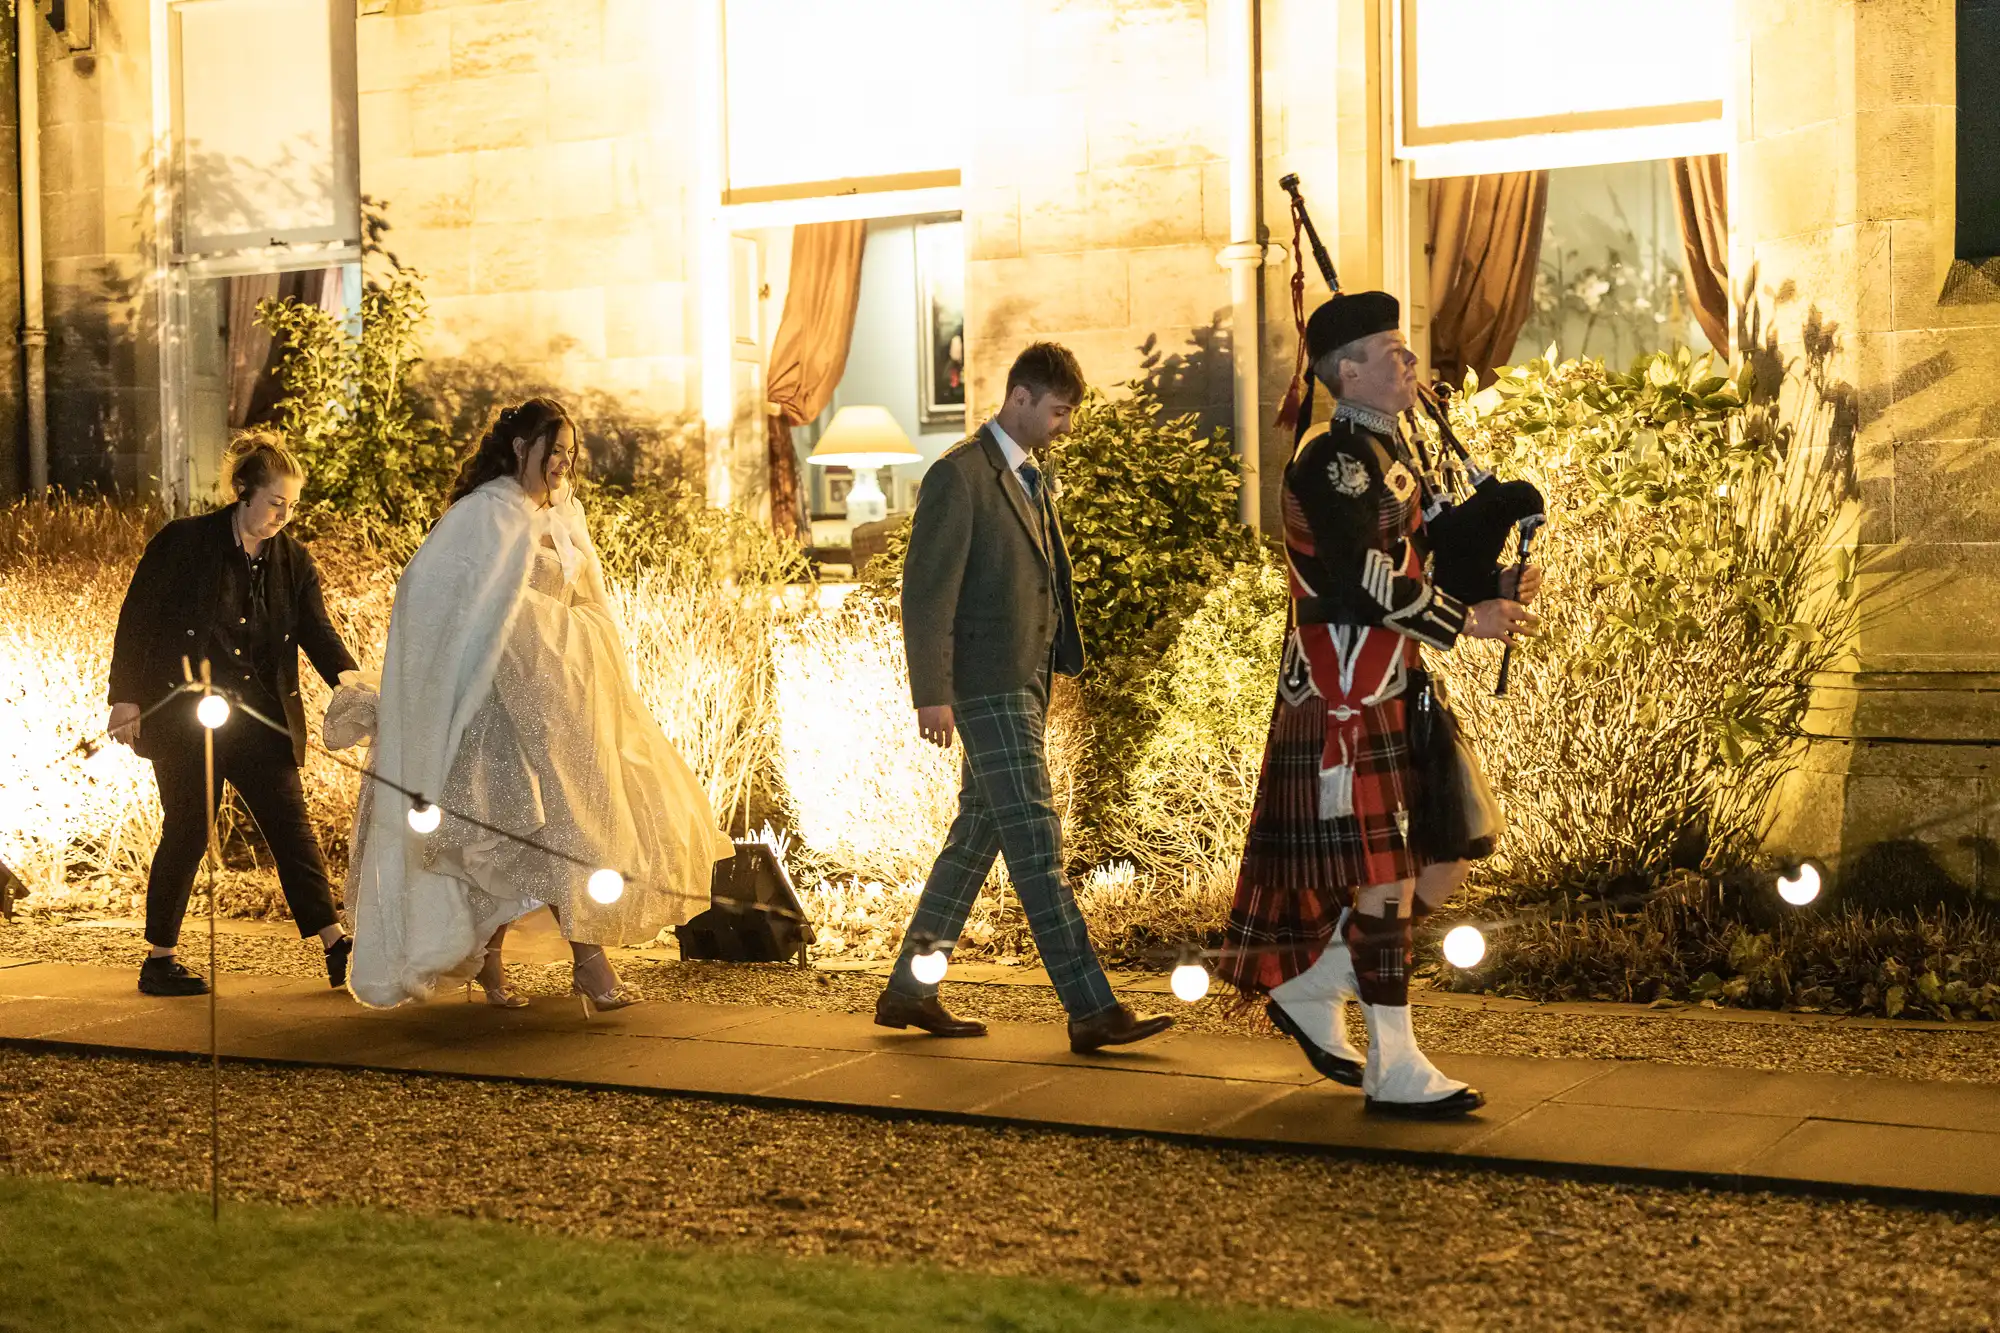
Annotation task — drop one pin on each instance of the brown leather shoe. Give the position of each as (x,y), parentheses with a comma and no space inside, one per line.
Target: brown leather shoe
(1117,1026)
(893,1009)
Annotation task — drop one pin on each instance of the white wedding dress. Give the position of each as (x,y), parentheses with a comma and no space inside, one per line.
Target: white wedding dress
(512,699)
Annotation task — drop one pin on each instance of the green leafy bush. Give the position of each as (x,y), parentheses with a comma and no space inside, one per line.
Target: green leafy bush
(1149,505)
(1695,585)
(376,464)
(1203,713)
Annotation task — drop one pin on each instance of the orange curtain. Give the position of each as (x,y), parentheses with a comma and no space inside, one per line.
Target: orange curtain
(1486,241)
(253,362)
(809,353)
(1701,205)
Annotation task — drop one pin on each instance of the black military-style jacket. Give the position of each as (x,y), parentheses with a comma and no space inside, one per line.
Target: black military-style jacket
(1353,521)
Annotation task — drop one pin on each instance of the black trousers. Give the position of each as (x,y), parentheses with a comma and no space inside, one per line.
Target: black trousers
(259,764)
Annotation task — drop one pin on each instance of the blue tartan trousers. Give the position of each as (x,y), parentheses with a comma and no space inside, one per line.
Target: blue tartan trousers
(1006,806)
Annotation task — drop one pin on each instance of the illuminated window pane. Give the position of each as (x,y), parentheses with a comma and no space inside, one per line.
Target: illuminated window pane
(262,123)
(1477,69)
(833,92)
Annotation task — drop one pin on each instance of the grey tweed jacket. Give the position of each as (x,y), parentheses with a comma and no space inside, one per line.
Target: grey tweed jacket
(987,599)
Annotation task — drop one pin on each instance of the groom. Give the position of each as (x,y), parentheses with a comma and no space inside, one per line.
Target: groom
(988,618)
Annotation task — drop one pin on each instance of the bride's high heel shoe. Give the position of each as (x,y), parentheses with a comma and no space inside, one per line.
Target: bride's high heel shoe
(621,995)
(500,997)
(498,994)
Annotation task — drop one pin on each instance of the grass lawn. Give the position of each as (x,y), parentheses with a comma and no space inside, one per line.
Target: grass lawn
(84,1258)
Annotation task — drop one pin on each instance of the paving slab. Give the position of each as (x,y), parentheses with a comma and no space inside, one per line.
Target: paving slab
(710,1068)
(1638,1138)
(1890,1157)
(1695,1088)
(892,1081)
(1131,1100)
(1638,1119)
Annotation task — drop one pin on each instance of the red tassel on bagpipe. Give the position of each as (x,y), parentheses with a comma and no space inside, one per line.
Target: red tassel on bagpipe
(1288,411)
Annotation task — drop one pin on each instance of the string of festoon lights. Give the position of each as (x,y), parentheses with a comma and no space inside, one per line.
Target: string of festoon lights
(1798,882)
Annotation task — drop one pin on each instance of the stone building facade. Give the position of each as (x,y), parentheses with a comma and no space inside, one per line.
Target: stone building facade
(549,165)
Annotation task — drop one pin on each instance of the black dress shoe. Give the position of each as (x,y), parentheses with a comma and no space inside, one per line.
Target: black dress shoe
(336,961)
(166,976)
(1347,1073)
(1463,1102)
(1117,1026)
(893,1009)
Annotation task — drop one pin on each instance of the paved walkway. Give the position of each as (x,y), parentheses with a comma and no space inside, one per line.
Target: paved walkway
(1622,1119)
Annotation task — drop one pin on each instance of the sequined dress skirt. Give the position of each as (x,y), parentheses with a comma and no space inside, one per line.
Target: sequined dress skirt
(565,753)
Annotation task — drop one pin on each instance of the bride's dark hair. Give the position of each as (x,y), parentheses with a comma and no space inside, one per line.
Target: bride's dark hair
(537,421)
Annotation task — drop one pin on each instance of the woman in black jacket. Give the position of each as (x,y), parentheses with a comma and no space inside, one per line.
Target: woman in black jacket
(231,587)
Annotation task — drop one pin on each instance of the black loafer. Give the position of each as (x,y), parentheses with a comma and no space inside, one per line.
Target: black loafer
(1116,1026)
(336,961)
(1347,1073)
(1463,1102)
(893,1009)
(166,976)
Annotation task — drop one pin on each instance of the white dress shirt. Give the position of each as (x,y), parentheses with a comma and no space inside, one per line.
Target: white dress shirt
(1012,452)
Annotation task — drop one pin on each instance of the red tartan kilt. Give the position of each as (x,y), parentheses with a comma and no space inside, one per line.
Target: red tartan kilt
(1299,870)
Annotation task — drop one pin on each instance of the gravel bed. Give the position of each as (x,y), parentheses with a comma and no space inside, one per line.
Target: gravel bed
(1967,1055)
(1420,1248)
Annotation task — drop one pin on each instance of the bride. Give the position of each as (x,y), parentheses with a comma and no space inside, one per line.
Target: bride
(507,699)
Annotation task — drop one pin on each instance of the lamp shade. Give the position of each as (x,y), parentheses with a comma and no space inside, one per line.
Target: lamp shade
(864,437)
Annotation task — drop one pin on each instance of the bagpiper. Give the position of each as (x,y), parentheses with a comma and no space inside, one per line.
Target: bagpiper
(1369,808)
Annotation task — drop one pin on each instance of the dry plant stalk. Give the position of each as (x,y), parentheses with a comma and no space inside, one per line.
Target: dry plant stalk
(698,650)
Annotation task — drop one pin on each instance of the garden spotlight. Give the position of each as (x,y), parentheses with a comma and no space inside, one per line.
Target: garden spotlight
(1464,946)
(1190,979)
(1801,886)
(212,711)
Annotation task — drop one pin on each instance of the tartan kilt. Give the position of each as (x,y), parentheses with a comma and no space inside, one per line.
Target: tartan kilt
(1298,870)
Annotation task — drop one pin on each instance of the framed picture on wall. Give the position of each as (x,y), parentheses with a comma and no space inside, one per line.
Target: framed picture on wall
(941,323)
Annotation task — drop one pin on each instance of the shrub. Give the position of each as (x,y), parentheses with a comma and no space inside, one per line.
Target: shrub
(1694,587)
(1204,712)
(378,468)
(1149,504)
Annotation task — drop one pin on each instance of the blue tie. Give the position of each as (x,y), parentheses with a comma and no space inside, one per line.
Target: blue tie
(1031,481)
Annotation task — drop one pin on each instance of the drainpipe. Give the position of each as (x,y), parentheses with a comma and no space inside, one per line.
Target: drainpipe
(34,336)
(1244,258)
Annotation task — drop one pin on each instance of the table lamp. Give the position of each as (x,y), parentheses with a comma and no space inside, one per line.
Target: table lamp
(864,438)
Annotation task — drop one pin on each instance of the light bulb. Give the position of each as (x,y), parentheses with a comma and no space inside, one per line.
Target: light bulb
(1190,982)
(425,817)
(606,886)
(1801,888)
(929,968)
(212,711)
(1464,946)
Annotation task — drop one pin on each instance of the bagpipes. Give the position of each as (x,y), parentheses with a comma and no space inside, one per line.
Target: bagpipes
(1468,512)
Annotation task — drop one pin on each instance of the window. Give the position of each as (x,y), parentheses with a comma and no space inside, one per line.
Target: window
(1978,129)
(264,140)
(1611,281)
(845,98)
(1554,83)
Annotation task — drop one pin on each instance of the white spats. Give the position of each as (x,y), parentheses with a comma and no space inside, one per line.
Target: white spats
(1396,1071)
(1316,999)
